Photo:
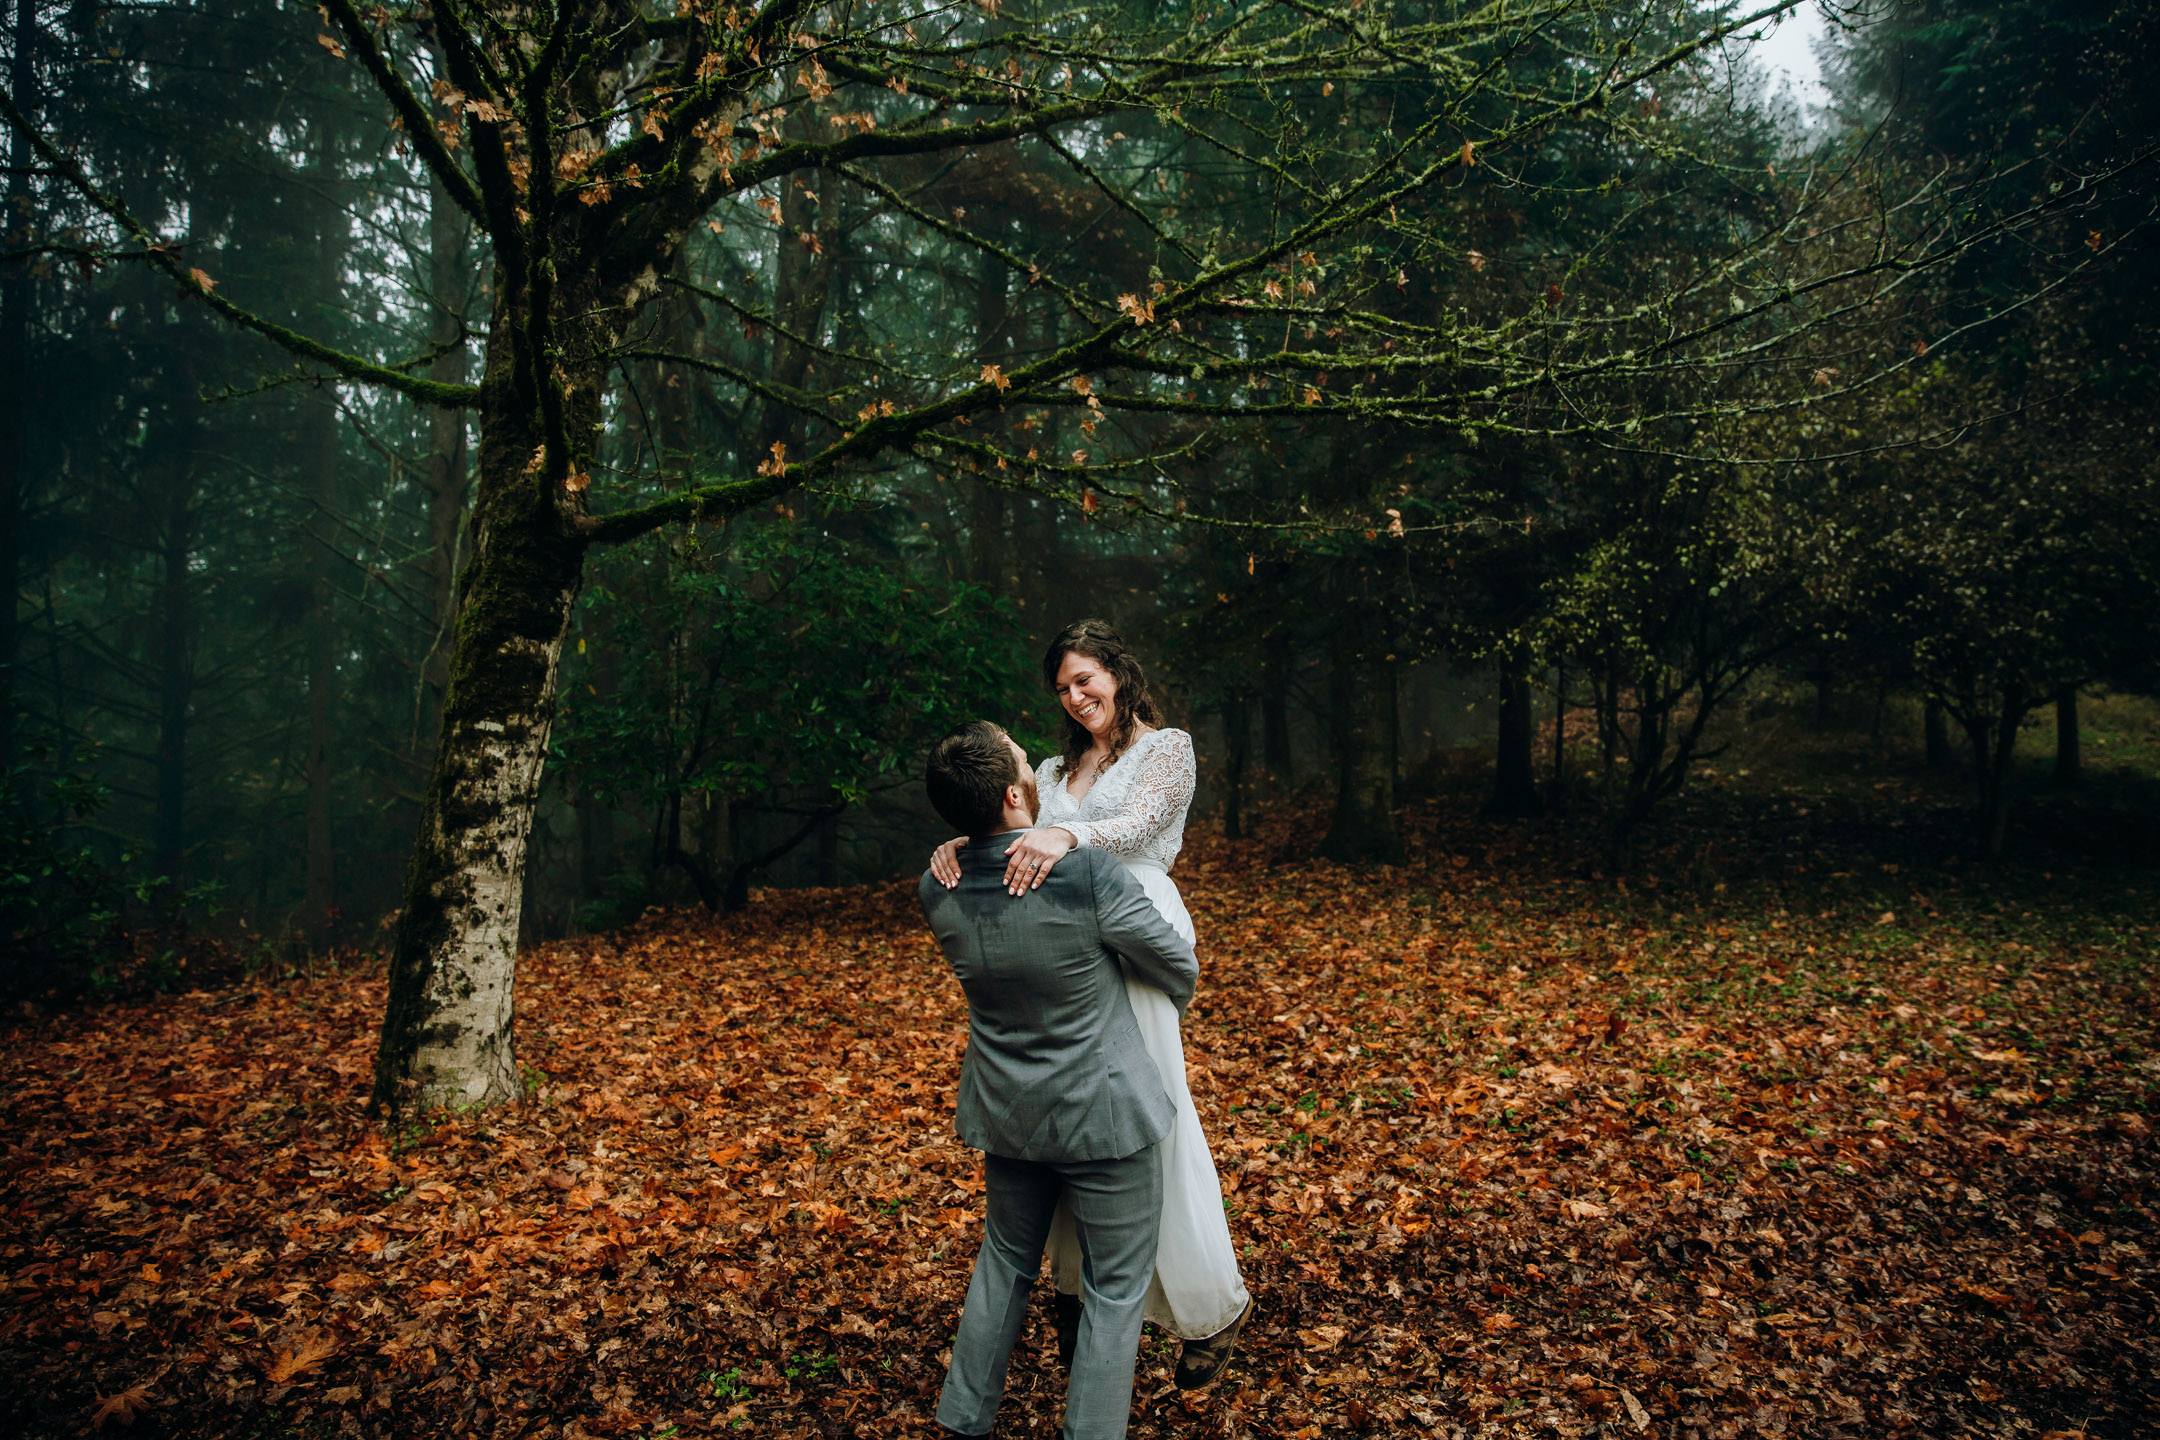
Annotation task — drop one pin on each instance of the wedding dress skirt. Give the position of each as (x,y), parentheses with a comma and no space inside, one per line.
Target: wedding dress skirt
(1197,1288)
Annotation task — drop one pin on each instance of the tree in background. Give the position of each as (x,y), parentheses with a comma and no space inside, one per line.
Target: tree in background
(2000,565)
(161,545)
(605,153)
(2003,569)
(774,672)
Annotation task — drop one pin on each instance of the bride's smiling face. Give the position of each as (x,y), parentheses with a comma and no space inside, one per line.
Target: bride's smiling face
(1087,692)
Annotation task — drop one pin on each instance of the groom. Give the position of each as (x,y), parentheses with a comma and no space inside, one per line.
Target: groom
(1056,1089)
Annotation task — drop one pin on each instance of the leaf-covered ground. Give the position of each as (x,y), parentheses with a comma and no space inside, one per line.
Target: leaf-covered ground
(1820,1146)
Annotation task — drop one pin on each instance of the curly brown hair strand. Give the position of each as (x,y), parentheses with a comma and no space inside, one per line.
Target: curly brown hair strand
(1135,702)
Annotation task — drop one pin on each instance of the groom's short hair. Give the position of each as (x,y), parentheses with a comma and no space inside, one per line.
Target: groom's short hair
(969,770)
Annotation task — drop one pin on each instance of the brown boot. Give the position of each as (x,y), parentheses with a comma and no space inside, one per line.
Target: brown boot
(1202,1360)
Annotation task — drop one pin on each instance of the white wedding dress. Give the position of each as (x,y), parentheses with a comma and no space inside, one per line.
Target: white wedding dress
(1136,810)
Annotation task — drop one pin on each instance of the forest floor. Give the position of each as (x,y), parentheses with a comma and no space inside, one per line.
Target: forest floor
(1795,1130)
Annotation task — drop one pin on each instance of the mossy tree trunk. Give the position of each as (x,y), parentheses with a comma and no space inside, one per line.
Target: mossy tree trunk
(568,282)
(446,1036)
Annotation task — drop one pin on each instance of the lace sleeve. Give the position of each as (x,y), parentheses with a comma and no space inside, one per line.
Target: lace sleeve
(1158,795)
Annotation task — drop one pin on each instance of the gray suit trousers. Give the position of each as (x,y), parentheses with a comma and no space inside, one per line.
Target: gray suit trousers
(1117,1209)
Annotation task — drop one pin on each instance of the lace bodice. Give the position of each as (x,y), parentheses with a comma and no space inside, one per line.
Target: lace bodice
(1136,808)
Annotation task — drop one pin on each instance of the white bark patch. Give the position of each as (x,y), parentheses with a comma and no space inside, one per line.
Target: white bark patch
(465,1056)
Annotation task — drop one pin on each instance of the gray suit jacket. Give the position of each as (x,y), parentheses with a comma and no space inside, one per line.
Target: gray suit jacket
(1055,1069)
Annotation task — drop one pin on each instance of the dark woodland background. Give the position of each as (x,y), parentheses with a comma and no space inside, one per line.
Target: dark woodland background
(232,583)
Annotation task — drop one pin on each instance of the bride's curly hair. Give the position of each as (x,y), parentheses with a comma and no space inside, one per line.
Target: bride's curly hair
(1135,703)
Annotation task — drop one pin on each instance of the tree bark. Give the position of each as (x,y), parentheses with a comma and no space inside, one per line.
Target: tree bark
(1607,697)
(1559,737)
(802,286)
(447,461)
(596,841)
(17,297)
(565,289)
(319,450)
(1237,743)
(707,869)
(987,550)
(1993,734)
(666,391)
(1935,726)
(174,629)
(322,672)
(446,1036)
(1363,705)
(2069,763)
(1275,706)
(1515,792)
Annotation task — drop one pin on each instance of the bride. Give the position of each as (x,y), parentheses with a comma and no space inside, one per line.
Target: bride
(1123,783)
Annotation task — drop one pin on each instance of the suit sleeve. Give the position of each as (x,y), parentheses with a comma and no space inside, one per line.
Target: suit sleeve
(1133,928)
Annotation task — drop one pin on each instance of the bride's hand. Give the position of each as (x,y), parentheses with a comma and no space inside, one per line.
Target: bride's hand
(945,861)
(1028,859)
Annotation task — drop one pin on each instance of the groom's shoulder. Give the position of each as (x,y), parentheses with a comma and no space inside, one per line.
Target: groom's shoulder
(1099,873)
(933,894)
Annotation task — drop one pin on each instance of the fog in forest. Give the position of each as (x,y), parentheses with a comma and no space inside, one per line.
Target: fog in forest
(1694,371)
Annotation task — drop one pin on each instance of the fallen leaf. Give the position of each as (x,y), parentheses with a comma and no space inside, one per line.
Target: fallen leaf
(305,1352)
(123,1407)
